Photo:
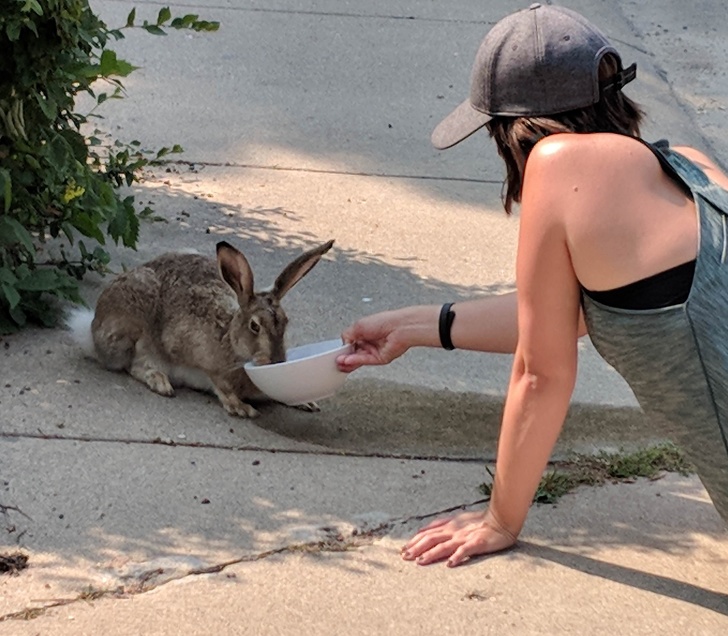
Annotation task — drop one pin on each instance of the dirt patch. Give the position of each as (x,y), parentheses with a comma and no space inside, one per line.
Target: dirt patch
(13,563)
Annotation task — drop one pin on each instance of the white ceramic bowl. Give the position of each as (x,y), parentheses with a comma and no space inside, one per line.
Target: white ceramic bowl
(308,374)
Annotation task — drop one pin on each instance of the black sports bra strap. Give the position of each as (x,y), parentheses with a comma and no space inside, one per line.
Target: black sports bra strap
(689,174)
(658,149)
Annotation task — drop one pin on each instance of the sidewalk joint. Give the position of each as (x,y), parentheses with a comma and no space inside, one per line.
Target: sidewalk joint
(349,173)
(248,448)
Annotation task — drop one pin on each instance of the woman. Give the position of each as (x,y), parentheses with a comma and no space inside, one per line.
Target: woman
(617,237)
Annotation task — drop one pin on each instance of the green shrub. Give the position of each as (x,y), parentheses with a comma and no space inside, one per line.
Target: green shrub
(59,180)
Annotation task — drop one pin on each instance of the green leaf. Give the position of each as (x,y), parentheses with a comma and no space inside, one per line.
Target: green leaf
(47,105)
(10,294)
(110,65)
(100,255)
(67,229)
(7,276)
(164,15)
(7,189)
(204,25)
(22,270)
(125,225)
(153,29)
(7,326)
(191,21)
(18,315)
(32,5)
(12,30)
(40,280)
(13,233)
(131,17)
(87,226)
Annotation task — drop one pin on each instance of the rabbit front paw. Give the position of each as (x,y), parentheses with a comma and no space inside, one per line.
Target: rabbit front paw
(235,406)
(308,407)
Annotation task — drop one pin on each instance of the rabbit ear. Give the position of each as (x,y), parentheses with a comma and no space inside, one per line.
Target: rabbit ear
(296,270)
(235,271)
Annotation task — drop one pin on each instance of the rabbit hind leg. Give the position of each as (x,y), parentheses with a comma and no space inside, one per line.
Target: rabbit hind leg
(114,343)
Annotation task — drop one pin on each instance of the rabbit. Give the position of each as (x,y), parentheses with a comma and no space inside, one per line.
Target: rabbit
(186,319)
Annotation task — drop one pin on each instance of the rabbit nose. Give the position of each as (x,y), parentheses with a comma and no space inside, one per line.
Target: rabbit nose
(261,359)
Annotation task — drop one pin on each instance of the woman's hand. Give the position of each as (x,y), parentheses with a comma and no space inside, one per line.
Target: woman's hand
(458,538)
(380,338)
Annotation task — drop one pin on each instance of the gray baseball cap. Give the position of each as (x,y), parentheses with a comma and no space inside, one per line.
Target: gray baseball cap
(538,61)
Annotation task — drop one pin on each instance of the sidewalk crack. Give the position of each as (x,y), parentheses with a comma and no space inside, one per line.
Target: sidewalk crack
(334,541)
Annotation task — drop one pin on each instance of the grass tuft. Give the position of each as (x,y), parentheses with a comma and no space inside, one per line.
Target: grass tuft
(595,470)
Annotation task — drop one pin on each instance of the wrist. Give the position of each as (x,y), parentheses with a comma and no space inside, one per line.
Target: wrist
(418,326)
(493,520)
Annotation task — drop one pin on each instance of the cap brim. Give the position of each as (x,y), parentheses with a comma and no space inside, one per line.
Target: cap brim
(458,125)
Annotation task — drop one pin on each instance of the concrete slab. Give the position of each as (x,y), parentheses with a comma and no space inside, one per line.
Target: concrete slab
(104,514)
(645,558)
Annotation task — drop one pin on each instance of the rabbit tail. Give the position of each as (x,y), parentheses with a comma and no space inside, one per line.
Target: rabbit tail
(78,321)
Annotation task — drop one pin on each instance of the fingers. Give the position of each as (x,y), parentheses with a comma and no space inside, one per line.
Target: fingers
(457,550)
(364,354)
(350,334)
(373,342)
(424,543)
(463,554)
(456,539)
(436,523)
(438,552)
(422,533)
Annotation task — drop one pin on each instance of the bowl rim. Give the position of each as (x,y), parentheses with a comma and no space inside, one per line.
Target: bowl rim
(341,345)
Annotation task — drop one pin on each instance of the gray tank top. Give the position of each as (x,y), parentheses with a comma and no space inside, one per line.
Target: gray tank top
(675,359)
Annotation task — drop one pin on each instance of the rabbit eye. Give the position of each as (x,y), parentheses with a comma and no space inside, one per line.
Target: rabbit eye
(255,327)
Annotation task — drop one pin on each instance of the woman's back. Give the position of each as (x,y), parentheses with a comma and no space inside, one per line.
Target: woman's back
(625,217)
(675,358)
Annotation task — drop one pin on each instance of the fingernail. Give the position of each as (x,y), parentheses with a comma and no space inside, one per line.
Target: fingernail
(450,563)
(407,554)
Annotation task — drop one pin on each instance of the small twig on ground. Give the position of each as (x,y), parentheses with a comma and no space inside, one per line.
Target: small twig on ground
(4,509)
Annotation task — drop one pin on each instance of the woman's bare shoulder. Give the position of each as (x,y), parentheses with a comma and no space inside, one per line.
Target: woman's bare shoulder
(599,148)
(592,157)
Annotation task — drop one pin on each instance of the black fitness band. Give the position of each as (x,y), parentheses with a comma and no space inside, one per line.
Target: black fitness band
(447,317)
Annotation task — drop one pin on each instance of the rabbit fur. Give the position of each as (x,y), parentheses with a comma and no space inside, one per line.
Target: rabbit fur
(187,319)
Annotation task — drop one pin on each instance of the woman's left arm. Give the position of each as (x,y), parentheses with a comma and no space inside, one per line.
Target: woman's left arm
(545,364)
(542,379)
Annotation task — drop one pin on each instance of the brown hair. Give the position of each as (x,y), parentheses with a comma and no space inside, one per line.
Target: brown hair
(516,136)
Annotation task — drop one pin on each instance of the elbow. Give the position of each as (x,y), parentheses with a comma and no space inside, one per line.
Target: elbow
(539,383)
(540,378)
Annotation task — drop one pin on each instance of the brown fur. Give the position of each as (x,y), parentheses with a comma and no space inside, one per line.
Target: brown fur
(189,315)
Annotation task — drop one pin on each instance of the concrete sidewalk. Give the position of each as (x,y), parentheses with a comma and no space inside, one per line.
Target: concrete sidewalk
(304,121)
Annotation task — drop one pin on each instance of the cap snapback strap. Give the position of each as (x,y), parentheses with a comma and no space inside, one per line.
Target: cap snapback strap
(620,79)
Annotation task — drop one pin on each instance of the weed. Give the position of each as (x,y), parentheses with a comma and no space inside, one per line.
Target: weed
(595,470)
